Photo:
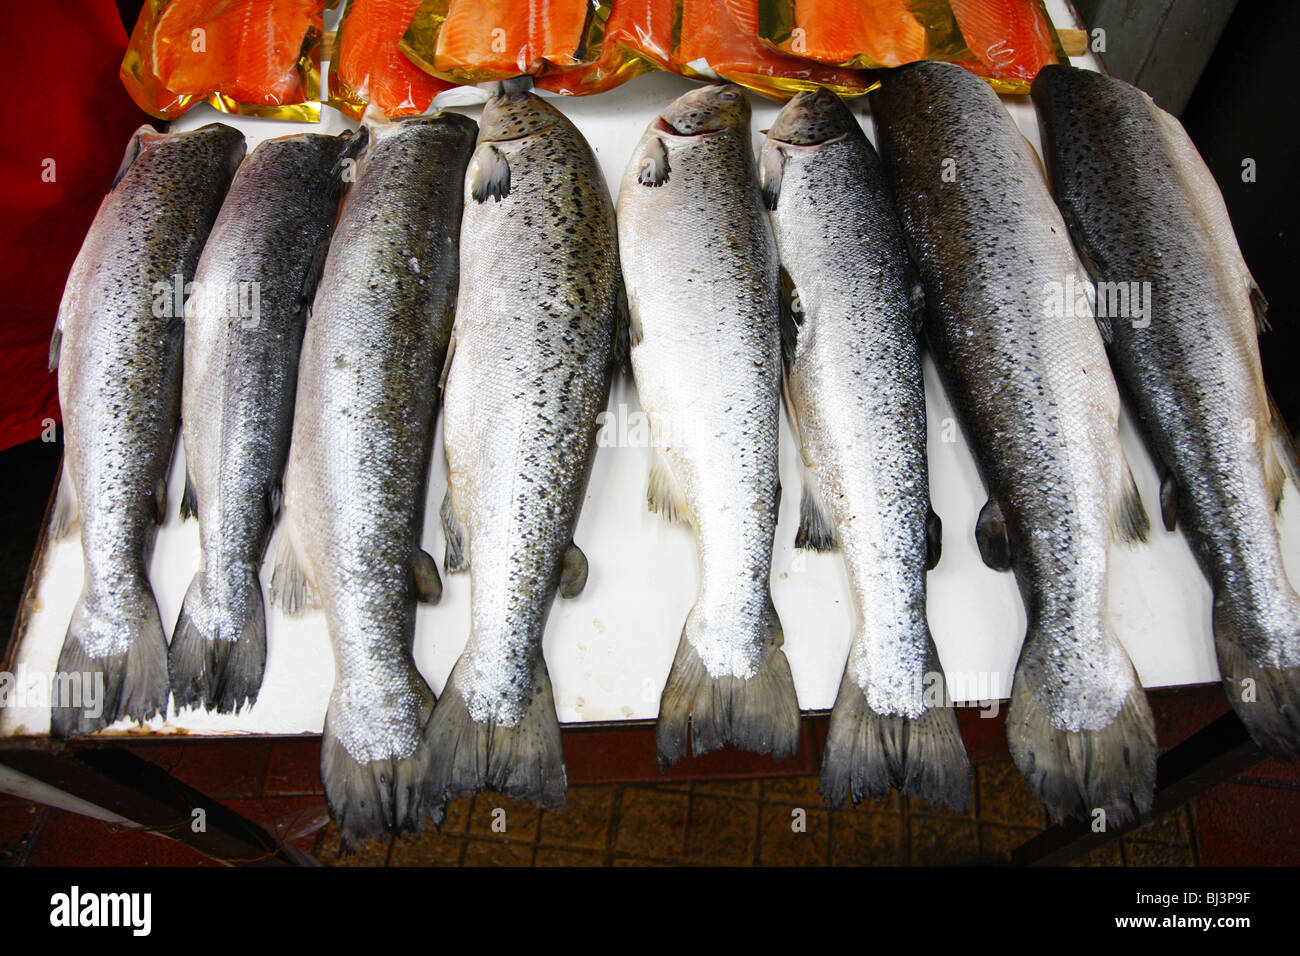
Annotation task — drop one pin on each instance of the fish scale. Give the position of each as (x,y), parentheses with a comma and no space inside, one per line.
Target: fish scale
(703,294)
(1040,408)
(359,458)
(529,373)
(856,398)
(117,345)
(237,401)
(1143,207)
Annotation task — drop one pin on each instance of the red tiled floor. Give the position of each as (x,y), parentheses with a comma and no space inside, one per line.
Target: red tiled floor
(742,816)
(19,825)
(68,839)
(1286,772)
(297,820)
(219,769)
(1248,825)
(294,768)
(1181,712)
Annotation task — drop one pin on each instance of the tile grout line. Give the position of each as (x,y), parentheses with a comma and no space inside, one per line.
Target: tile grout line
(1193,843)
(37,833)
(611,824)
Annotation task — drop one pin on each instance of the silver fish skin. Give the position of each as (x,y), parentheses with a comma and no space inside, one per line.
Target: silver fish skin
(1040,407)
(117,345)
(1143,208)
(358,464)
(703,291)
(530,369)
(243,334)
(854,391)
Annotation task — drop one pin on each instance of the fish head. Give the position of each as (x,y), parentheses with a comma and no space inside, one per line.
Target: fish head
(709,109)
(515,114)
(813,117)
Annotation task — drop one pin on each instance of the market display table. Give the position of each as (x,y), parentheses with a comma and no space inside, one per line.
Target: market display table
(609,650)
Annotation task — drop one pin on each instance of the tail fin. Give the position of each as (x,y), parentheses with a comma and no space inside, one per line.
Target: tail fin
(133,680)
(1076,773)
(373,798)
(218,650)
(759,713)
(868,753)
(1266,697)
(523,760)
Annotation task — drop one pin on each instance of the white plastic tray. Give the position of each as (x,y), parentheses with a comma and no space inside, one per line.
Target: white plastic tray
(609,650)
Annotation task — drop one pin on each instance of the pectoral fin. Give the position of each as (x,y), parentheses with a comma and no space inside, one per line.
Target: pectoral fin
(573,578)
(992,538)
(489,175)
(654,168)
(428,586)
(933,540)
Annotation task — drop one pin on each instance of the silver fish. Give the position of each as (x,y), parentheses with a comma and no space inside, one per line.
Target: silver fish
(704,300)
(1143,208)
(243,333)
(359,459)
(1037,401)
(532,356)
(117,345)
(855,395)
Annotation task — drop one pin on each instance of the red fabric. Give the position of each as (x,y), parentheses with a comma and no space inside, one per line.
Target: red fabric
(65,103)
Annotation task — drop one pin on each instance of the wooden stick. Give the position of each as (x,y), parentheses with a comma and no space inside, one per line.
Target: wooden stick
(1073,42)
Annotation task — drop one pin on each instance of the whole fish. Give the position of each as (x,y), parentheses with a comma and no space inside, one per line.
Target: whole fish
(117,346)
(854,391)
(1031,385)
(359,459)
(243,333)
(1153,230)
(703,291)
(532,356)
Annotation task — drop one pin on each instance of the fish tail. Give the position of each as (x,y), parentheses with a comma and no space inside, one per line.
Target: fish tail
(1111,769)
(1265,696)
(92,692)
(867,753)
(523,760)
(218,654)
(758,713)
(372,799)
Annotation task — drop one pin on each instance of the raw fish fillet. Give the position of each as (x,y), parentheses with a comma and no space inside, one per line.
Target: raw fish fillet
(512,36)
(371,65)
(720,38)
(834,31)
(1010,38)
(246,49)
(638,37)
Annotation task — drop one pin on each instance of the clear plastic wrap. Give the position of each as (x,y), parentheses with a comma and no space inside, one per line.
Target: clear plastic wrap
(474,41)
(366,66)
(638,38)
(253,57)
(1004,41)
(718,39)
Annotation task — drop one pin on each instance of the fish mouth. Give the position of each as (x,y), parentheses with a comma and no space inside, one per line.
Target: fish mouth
(804,144)
(663,126)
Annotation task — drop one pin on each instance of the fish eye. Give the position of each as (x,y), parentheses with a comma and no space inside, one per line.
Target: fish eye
(729,96)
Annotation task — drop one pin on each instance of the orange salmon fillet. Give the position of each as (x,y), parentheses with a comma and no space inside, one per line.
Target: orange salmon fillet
(511,36)
(836,31)
(246,49)
(1010,38)
(642,28)
(371,64)
(724,34)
